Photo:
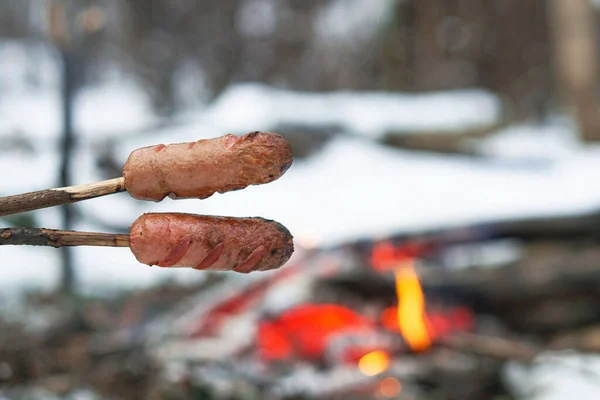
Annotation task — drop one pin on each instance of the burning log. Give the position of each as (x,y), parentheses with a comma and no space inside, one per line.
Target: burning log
(495,347)
(547,286)
(551,276)
(585,340)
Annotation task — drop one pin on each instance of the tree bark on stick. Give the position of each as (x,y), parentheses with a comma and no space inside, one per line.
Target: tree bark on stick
(60,238)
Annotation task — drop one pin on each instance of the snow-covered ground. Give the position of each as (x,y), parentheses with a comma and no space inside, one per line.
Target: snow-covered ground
(365,114)
(556,376)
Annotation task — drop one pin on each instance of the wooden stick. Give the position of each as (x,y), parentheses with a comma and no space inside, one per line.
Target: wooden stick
(58,238)
(499,348)
(54,197)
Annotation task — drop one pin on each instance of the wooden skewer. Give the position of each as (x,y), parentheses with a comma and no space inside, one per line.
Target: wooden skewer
(54,197)
(59,238)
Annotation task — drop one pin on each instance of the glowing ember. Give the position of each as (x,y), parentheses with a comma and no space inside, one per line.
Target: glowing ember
(305,330)
(374,363)
(390,387)
(383,256)
(411,308)
(389,319)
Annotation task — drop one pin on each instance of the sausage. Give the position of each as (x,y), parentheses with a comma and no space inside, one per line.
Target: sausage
(210,243)
(199,169)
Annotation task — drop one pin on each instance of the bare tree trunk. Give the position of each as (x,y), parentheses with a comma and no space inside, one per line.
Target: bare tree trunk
(59,34)
(68,138)
(576,62)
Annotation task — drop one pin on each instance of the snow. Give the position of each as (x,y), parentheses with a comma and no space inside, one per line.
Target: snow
(27,269)
(371,114)
(352,21)
(113,109)
(24,64)
(551,141)
(32,114)
(556,376)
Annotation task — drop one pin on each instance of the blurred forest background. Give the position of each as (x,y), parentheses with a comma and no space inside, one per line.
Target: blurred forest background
(185,51)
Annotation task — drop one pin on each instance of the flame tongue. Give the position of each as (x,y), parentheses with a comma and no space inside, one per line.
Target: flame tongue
(411,308)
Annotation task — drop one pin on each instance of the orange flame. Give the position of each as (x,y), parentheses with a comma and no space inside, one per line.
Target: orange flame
(412,320)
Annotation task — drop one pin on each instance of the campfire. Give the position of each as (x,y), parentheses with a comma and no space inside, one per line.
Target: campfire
(372,337)
(374,318)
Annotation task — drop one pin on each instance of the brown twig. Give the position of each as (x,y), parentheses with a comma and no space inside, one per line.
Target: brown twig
(500,348)
(54,197)
(58,238)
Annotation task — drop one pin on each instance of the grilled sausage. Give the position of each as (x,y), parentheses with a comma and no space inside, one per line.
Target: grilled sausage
(199,169)
(210,243)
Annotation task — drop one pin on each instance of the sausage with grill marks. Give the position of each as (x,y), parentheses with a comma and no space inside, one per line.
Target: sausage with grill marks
(210,243)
